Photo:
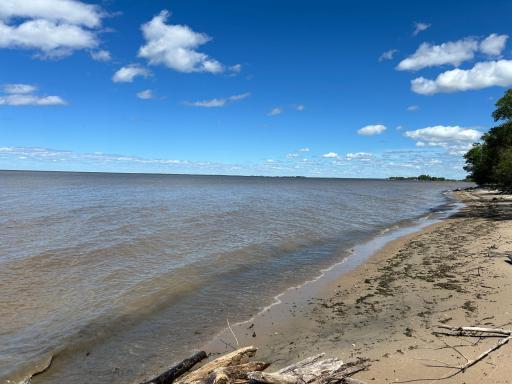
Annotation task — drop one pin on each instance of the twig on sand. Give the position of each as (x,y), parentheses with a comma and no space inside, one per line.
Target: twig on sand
(504,334)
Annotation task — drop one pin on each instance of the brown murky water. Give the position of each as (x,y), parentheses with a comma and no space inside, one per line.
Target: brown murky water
(117,275)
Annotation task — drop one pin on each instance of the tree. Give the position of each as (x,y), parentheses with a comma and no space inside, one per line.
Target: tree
(490,161)
(504,107)
(504,170)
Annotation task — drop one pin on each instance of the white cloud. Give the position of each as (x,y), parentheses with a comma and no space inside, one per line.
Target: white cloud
(330,155)
(370,130)
(54,27)
(54,40)
(23,94)
(441,133)
(19,88)
(453,138)
(420,27)
(218,102)
(68,11)
(101,55)
(363,156)
(412,108)
(388,55)
(130,72)
(452,52)
(147,94)
(175,46)
(493,44)
(20,100)
(299,107)
(305,149)
(482,75)
(237,68)
(275,111)
(239,97)
(212,103)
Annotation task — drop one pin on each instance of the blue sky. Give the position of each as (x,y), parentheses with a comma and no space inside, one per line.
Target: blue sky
(324,88)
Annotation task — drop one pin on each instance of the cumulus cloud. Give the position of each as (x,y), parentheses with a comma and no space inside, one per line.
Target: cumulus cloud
(452,138)
(54,40)
(175,46)
(427,55)
(420,27)
(305,149)
(275,111)
(56,28)
(218,102)
(101,55)
(68,11)
(412,108)
(330,155)
(453,52)
(482,75)
(493,44)
(130,72)
(147,94)
(299,107)
(388,55)
(370,130)
(23,95)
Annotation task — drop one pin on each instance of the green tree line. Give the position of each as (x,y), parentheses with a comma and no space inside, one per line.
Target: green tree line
(489,162)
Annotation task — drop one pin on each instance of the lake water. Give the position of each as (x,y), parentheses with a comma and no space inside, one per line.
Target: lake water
(119,275)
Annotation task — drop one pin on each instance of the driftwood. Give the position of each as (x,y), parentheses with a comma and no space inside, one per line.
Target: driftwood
(178,370)
(312,370)
(234,368)
(505,336)
(201,375)
(235,373)
(304,371)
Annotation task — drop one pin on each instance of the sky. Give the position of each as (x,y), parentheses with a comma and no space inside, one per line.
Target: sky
(250,87)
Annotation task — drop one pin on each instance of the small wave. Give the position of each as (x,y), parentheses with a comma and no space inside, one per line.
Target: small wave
(24,375)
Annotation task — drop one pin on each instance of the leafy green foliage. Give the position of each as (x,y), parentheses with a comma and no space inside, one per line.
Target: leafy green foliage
(504,169)
(504,107)
(490,162)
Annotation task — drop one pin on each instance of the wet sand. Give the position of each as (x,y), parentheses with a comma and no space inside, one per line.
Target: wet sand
(452,272)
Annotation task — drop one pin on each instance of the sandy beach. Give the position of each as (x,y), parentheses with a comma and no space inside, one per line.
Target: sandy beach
(385,310)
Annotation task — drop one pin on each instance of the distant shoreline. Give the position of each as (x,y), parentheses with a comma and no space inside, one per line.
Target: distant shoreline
(391,178)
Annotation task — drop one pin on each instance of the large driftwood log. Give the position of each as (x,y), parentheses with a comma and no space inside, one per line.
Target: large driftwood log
(202,374)
(311,370)
(178,370)
(235,373)
(234,368)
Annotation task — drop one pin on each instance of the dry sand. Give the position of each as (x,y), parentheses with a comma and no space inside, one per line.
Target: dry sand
(453,273)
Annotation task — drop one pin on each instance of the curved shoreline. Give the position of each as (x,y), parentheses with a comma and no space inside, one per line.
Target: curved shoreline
(385,235)
(300,294)
(387,309)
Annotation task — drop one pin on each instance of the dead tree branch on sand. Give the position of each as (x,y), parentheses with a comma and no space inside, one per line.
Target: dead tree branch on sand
(505,336)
